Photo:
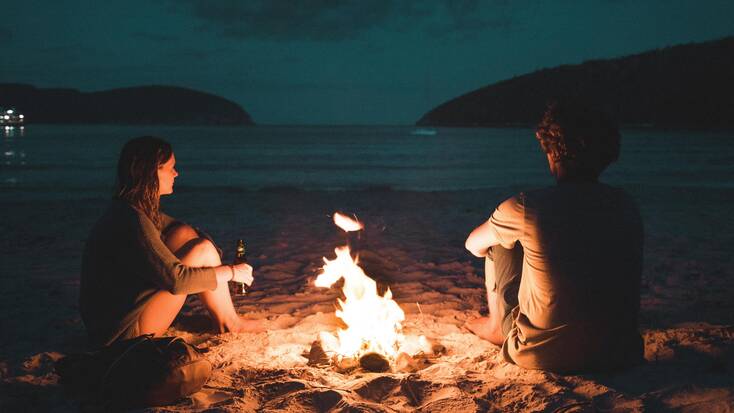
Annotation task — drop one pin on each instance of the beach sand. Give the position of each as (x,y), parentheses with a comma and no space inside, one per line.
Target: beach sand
(413,243)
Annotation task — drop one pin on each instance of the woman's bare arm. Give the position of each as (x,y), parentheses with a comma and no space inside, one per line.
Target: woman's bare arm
(241,273)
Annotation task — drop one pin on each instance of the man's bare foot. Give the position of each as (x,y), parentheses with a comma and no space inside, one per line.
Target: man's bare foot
(483,328)
(480,327)
(242,325)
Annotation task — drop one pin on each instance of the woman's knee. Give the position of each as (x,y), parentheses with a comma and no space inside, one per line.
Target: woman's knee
(178,236)
(200,252)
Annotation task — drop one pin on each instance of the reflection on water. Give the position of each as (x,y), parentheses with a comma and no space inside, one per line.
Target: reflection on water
(13,153)
(12,131)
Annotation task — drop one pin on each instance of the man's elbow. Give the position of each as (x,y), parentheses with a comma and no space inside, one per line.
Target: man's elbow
(475,250)
(479,254)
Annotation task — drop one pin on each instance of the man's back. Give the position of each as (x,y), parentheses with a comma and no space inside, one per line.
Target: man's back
(579,293)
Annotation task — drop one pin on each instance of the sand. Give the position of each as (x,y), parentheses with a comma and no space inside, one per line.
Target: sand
(413,244)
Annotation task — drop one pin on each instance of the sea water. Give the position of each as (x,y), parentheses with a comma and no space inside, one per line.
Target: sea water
(422,189)
(78,161)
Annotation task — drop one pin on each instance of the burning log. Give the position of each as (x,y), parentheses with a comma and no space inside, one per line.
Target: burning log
(345,364)
(317,356)
(373,338)
(406,363)
(372,361)
(438,349)
(375,362)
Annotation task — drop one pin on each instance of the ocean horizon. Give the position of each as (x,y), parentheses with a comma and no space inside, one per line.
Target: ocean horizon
(78,161)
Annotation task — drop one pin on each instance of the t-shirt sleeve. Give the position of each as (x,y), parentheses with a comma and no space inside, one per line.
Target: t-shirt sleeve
(508,220)
(165,268)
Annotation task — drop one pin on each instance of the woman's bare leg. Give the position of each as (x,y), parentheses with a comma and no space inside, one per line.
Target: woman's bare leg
(162,309)
(200,252)
(160,312)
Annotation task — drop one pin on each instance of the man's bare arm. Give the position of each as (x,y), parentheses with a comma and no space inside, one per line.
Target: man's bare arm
(481,239)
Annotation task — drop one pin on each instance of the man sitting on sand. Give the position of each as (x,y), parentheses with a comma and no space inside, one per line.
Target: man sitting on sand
(564,263)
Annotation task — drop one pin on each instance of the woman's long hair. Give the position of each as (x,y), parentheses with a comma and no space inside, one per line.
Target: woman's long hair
(137,174)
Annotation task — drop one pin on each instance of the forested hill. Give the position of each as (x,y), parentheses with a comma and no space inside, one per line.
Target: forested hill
(683,86)
(135,105)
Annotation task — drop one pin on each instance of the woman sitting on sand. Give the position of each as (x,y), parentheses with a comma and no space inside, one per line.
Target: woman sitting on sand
(140,264)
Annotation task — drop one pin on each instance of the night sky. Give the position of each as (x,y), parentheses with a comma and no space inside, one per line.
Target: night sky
(332,62)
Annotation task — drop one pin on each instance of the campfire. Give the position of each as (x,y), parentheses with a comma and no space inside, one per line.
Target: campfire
(374,333)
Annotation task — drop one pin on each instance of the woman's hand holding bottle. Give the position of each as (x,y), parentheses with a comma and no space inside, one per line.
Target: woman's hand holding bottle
(242,273)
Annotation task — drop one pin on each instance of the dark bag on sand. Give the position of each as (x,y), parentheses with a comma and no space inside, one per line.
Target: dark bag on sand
(142,371)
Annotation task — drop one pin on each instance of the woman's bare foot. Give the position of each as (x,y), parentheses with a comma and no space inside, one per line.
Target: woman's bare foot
(282,322)
(237,324)
(484,328)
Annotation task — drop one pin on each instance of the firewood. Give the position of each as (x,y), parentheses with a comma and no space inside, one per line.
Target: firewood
(374,362)
(345,365)
(317,356)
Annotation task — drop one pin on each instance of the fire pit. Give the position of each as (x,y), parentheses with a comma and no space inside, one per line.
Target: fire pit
(374,337)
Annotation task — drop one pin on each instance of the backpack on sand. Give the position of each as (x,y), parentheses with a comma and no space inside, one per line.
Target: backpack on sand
(142,371)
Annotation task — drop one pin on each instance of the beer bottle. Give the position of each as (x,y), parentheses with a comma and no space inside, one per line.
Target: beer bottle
(239,257)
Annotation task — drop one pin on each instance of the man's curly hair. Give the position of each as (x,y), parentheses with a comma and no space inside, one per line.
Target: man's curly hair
(579,136)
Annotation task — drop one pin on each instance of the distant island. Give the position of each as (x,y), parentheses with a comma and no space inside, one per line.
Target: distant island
(686,86)
(134,105)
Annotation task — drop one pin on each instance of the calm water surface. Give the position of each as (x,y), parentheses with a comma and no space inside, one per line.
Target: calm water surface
(77,161)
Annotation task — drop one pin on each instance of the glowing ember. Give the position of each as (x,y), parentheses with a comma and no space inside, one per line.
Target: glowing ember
(374,322)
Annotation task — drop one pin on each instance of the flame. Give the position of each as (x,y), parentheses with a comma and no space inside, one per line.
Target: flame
(374,322)
(346,223)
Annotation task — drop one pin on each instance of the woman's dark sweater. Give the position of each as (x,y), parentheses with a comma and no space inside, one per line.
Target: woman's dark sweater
(125,263)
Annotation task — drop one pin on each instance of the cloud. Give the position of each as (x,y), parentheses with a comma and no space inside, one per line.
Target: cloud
(5,35)
(464,18)
(334,20)
(317,20)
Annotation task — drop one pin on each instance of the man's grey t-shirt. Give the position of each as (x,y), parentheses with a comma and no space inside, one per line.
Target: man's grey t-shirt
(579,292)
